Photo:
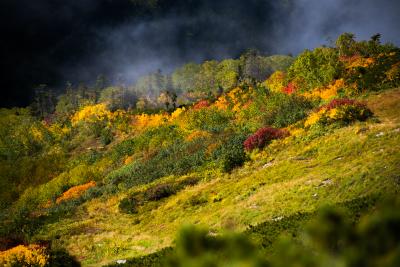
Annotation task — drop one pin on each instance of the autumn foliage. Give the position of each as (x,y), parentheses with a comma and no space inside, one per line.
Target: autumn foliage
(290,88)
(335,103)
(276,81)
(339,110)
(201,104)
(75,192)
(263,137)
(32,255)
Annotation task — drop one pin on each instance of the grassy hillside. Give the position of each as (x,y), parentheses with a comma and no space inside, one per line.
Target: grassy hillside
(292,175)
(95,183)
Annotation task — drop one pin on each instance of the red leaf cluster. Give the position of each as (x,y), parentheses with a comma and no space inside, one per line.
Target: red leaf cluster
(263,137)
(201,104)
(290,88)
(340,102)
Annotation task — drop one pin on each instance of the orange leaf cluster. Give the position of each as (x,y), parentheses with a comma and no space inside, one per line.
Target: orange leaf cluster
(75,192)
(201,104)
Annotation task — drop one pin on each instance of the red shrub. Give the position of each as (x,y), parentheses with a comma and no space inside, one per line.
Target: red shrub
(263,137)
(201,104)
(340,102)
(290,88)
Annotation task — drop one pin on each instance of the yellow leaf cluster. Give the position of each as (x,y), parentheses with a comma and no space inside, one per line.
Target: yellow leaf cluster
(92,113)
(177,113)
(222,103)
(294,131)
(276,81)
(37,134)
(56,130)
(145,121)
(234,100)
(75,192)
(314,117)
(32,255)
(333,113)
(327,92)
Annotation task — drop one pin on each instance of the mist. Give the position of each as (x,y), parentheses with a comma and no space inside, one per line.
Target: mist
(123,40)
(226,29)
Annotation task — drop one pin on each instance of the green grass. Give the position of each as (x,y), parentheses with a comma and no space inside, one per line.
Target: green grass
(291,176)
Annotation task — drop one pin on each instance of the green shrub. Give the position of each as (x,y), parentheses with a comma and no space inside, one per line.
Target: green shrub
(177,159)
(316,68)
(231,153)
(272,109)
(159,192)
(61,258)
(209,119)
(129,205)
(106,136)
(158,137)
(197,200)
(195,247)
(123,149)
(282,110)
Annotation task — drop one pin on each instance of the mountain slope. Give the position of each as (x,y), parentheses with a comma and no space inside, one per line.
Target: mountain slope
(296,174)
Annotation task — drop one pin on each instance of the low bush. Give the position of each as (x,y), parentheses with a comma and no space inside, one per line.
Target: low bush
(208,119)
(160,191)
(263,137)
(75,192)
(61,258)
(106,136)
(131,203)
(232,153)
(123,149)
(335,103)
(282,110)
(177,159)
(341,111)
(197,200)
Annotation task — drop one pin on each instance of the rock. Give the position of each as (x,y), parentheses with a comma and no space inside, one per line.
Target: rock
(277,218)
(254,206)
(269,164)
(325,182)
(361,130)
(121,261)
(212,233)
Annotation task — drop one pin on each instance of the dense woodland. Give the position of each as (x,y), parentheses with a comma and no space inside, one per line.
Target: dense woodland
(198,124)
